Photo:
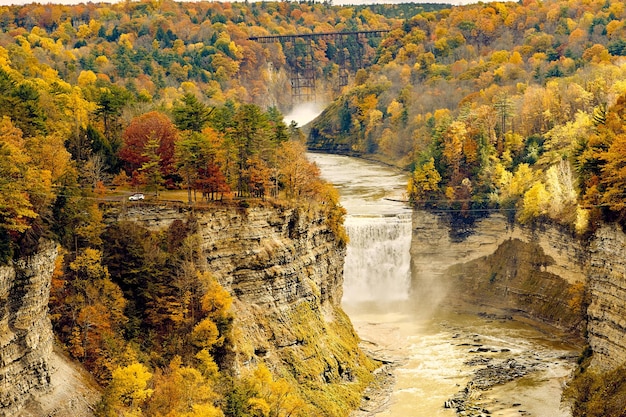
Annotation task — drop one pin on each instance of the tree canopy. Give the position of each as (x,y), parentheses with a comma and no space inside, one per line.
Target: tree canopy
(491,106)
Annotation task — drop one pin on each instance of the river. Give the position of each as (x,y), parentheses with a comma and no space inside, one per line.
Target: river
(478,364)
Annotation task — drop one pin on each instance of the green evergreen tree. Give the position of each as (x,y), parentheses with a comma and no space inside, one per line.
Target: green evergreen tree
(191,155)
(191,114)
(152,167)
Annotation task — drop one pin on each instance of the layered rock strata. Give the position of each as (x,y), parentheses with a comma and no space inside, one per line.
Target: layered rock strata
(26,338)
(265,255)
(537,272)
(606,314)
(284,267)
(546,273)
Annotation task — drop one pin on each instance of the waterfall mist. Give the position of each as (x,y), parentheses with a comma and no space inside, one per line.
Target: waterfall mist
(304,113)
(377,266)
(396,277)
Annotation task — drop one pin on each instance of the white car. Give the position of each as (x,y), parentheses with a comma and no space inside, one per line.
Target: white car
(136,197)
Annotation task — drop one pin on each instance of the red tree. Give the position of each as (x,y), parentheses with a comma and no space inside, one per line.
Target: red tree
(152,125)
(212,182)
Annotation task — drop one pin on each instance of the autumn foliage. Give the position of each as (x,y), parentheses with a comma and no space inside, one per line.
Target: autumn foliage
(497,106)
(143,97)
(152,126)
(516,108)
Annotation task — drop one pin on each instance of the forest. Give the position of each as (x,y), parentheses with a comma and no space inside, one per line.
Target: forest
(510,107)
(99,101)
(498,107)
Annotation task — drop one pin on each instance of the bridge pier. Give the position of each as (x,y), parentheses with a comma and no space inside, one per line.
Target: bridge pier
(302,67)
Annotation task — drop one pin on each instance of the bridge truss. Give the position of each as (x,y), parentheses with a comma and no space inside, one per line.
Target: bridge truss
(302,70)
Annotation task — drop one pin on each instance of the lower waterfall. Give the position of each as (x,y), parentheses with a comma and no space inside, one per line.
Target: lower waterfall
(377,265)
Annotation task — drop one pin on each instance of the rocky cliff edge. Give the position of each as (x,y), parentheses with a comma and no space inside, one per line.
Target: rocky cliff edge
(36,378)
(26,338)
(284,268)
(543,272)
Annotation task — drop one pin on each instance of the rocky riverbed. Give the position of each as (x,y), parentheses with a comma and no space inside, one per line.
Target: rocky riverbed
(498,362)
(496,366)
(381,343)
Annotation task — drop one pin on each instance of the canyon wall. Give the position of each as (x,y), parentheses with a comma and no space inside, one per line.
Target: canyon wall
(26,339)
(536,272)
(36,378)
(543,272)
(606,315)
(284,268)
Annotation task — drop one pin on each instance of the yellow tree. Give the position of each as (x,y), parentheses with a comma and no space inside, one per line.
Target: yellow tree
(536,203)
(563,137)
(216,301)
(23,187)
(299,176)
(424,183)
(215,307)
(69,113)
(49,153)
(453,140)
(521,181)
(95,312)
(182,391)
(127,391)
(273,398)
(614,174)
(395,110)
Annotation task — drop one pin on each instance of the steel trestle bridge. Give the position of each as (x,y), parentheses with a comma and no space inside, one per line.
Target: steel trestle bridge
(302,70)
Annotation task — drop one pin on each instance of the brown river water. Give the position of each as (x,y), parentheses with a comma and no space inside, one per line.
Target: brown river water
(495,364)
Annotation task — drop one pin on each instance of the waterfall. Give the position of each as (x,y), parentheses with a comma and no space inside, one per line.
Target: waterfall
(377,265)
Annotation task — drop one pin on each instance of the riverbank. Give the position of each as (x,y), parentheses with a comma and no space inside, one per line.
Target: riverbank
(383,344)
(510,377)
(419,328)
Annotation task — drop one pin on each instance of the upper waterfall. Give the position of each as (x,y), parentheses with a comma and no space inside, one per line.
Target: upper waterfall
(303,113)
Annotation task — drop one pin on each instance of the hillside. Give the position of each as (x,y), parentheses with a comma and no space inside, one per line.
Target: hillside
(100,101)
(509,107)
(154,49)
(512,108)
(502,105)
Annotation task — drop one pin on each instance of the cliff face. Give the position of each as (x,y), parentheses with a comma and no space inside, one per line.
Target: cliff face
(36,379)
(273,258)
(26,338)
(607,288)
(284,268)
(537,272)
(544,273)
(268,256)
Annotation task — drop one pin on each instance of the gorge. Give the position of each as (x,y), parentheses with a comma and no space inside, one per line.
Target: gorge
(563,286)
(285,270)
(26,344)
(227,286)
(283,267)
